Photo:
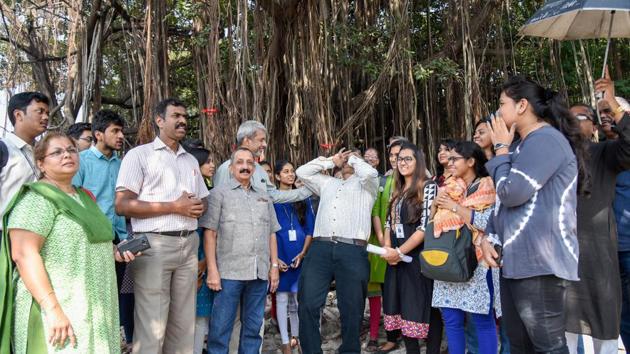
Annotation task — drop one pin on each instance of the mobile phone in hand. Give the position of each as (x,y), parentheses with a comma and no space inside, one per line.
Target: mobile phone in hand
(499,250)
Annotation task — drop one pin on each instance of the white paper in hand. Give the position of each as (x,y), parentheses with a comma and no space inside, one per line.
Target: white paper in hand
(381,251)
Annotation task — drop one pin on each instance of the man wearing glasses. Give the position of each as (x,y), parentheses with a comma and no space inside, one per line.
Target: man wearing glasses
(81,133)
(594,302)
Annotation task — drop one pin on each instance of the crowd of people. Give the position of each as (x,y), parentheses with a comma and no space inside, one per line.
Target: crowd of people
(518,242)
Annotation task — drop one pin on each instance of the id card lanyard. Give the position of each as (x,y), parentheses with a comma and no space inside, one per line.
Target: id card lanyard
(292,232)
(400,231)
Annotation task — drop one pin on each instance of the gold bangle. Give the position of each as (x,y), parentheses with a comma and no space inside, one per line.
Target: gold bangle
(619,109)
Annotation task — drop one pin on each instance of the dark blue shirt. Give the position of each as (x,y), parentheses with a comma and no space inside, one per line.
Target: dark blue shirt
(622,210)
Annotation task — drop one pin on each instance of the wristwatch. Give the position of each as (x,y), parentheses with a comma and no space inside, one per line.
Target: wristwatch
(400,254)
(274,265)
(498,146)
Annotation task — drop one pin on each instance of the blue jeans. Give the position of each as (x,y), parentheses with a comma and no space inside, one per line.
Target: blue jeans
(624,269)
(454,325)
(484,341)
(251,295)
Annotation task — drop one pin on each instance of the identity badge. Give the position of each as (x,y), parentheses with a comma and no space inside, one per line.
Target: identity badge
(292,235)
(400,231)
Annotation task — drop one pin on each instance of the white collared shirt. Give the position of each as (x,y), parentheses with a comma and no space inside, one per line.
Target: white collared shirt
(157,174)
(20,169)
(345,206)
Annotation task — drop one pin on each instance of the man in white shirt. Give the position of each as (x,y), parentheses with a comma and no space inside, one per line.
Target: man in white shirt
(28,113)
(338,251)
(161,188)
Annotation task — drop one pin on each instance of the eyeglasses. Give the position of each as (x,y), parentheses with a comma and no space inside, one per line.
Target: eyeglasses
(581,117)
(59,153)
(406,159)
(89,139)
(454,159)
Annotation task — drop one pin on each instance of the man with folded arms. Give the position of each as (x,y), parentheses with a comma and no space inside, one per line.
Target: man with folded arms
(161,188)
(338,252)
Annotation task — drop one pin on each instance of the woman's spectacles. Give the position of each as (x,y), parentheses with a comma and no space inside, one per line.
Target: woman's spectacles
(406,159)
(454,159)
(59,153)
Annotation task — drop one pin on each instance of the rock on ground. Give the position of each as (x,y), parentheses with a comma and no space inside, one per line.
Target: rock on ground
(330,330)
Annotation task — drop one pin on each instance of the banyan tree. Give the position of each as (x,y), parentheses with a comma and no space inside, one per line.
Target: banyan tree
(320,74)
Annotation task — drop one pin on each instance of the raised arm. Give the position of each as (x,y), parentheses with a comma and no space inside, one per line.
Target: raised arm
(617,154)
(310,173)
(518,179)
(366,173)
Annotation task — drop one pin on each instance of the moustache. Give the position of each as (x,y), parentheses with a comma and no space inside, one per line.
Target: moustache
(245,170)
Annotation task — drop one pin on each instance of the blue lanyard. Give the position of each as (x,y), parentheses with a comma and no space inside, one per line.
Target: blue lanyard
(289,215)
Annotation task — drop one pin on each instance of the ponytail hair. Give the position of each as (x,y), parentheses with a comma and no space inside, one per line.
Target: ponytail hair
(549,106)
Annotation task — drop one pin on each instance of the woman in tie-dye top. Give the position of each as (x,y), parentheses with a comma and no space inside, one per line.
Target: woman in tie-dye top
(537,178)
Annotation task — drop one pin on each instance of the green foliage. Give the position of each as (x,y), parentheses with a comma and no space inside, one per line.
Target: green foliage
(441,69)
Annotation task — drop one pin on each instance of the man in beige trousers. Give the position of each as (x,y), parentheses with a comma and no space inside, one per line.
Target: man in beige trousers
(161,188)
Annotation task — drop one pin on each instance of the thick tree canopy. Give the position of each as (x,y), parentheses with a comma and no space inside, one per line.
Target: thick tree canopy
(318,73)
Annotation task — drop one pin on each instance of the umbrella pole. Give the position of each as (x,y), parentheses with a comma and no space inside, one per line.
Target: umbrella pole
(612,18)
(600,95)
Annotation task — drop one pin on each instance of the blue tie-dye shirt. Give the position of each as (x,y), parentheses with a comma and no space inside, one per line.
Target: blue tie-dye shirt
(535,212)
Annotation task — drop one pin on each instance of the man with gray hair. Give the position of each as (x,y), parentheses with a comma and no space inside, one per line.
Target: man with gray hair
(252,135)
(240,214)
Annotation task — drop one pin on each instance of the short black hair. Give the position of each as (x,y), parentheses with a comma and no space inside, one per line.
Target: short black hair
(200,154)
(470,150)
(104,118)
(265,162)
(192,143)
(76,129)
(22,100)
(160,109)
(482,121)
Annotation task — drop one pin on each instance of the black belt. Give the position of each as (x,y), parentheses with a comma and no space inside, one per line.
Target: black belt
(336,239)
(182,233)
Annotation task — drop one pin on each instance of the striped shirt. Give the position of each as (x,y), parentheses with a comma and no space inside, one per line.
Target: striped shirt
(345,206)
(157,174)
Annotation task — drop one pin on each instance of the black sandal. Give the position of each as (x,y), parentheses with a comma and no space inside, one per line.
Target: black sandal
(372,346)
(384,351)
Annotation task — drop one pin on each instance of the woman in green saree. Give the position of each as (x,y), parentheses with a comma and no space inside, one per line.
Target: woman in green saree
(61,297)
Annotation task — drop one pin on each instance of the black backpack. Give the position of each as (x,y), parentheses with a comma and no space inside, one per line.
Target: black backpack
(451,257)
